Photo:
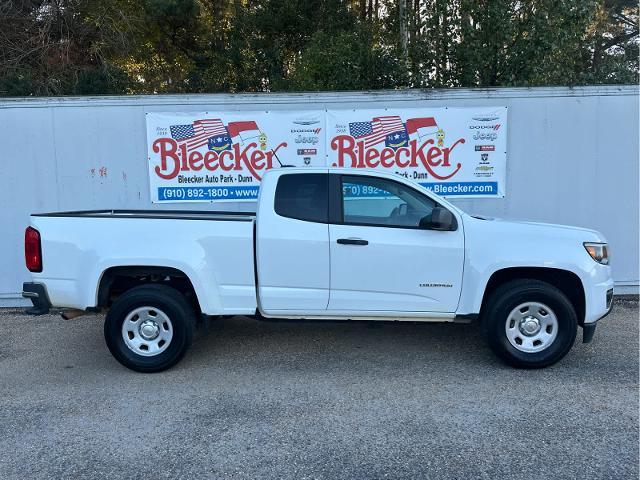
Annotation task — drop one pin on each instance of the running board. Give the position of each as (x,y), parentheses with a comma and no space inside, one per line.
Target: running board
(373,316)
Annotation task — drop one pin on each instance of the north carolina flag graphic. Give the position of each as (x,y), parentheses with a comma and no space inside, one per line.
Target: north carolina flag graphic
(421,127)
(243,131)
(220,142)
(397,139)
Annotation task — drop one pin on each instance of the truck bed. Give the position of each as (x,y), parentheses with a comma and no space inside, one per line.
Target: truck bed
(213,249)
(159,214)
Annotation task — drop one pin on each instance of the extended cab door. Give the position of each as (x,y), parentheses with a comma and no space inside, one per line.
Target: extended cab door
(381,259)
(292,242)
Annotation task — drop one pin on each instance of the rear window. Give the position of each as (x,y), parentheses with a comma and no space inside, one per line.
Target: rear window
(303,196)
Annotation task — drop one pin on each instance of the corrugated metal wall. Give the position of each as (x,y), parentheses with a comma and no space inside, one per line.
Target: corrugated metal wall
(572,158)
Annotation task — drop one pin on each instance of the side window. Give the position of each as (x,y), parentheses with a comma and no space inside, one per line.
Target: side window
(303,196)
(378,201)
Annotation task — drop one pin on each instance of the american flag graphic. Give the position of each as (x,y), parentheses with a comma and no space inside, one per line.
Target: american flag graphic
(198,133)
(376,130)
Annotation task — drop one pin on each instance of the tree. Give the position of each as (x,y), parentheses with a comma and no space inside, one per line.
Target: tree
(63,47)
(612,43)
(350,60)
(55,47)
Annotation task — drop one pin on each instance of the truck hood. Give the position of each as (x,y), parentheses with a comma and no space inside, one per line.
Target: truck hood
(538,228)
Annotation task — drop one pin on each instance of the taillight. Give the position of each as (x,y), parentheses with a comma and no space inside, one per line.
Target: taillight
(32,250)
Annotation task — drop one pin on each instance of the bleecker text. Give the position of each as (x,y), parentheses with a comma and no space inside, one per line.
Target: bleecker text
(355,155)
(175,158)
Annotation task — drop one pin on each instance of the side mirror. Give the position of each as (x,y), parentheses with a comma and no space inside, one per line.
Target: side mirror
(440,219)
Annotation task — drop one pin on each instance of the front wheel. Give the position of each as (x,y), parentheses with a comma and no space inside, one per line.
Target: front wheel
(529,323)
(149,328)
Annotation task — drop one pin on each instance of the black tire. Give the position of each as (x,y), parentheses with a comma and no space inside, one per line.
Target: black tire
(515,293)
(169,301)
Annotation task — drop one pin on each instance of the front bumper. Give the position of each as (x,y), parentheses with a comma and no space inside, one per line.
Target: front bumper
(589,329)
(37,293)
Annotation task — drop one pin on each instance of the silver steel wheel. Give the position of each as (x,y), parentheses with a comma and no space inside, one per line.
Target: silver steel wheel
(147,331)
(531,327)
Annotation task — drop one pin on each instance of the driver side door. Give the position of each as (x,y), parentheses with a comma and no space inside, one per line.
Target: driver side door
(381,259)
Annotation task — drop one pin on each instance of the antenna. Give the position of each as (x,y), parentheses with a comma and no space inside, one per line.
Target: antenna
(281,165)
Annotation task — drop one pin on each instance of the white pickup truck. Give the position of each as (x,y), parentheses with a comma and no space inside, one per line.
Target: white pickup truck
(324,244)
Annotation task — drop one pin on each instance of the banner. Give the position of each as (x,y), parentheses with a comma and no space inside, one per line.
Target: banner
(221,156)
(454,152)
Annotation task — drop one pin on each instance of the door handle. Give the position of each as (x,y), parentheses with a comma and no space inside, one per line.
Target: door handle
(352,241)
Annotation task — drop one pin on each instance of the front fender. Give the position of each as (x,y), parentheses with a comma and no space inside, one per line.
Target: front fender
(492,246)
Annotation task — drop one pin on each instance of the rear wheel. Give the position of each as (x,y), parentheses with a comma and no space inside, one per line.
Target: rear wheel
(149,328)
(529,323)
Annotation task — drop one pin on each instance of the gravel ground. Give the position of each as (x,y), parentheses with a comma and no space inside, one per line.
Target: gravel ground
(309,400)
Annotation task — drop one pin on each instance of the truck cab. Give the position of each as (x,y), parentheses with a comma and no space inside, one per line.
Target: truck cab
(360,245)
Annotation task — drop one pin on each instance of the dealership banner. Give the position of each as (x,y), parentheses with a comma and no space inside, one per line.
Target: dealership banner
(455,152)
(212,156)
(217,156)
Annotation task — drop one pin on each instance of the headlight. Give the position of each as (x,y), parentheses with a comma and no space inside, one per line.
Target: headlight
(598,251)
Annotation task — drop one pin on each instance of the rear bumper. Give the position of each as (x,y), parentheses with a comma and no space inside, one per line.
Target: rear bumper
(37,293)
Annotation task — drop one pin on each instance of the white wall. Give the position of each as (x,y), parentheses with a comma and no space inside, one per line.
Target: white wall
(572,158)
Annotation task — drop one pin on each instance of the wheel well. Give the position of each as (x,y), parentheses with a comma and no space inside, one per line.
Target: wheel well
(565,281)
(117,280)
